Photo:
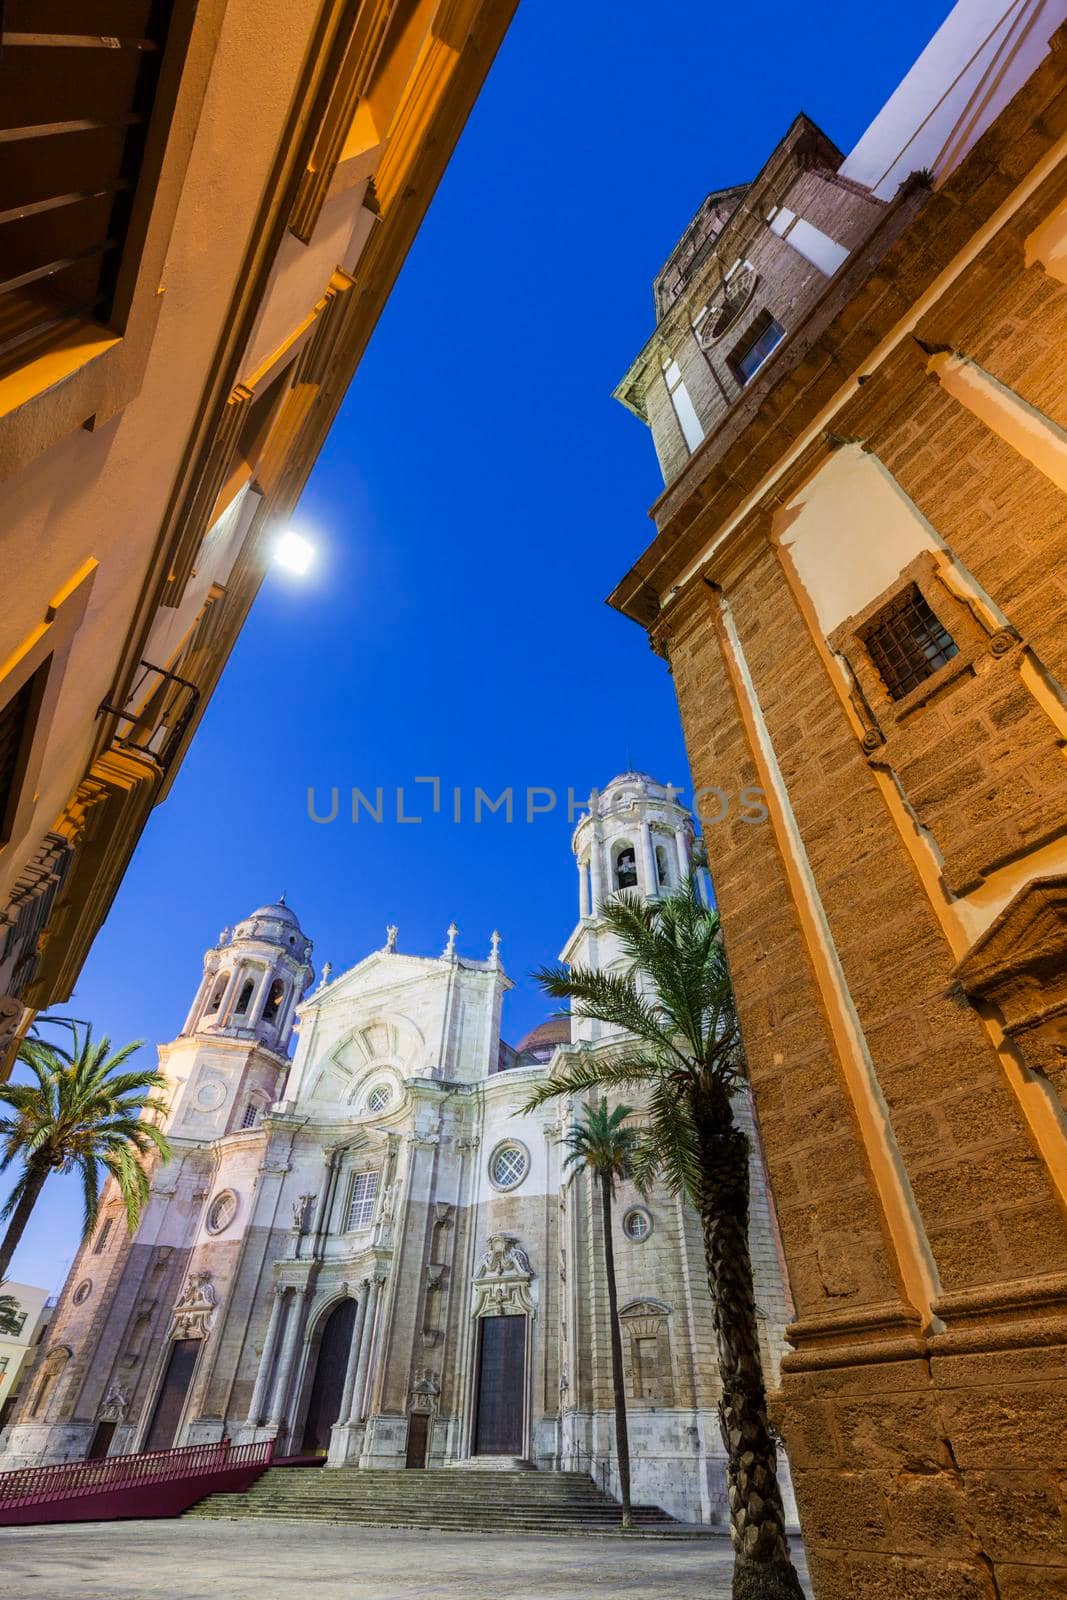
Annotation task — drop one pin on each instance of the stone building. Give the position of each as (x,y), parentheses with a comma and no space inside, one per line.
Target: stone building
(371,1251)
(203,207)
(858,389)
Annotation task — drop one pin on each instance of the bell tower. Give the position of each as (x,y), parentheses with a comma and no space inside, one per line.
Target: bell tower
(231,1059)
(635,836)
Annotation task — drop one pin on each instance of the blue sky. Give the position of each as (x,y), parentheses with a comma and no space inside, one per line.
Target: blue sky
(480,494)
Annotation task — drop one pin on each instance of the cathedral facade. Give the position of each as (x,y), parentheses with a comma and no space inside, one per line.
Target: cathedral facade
(371,1252)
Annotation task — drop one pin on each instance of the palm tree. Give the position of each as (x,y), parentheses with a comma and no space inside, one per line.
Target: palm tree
(599,1142)
(11,1318)
(81,1111)
(676,1005)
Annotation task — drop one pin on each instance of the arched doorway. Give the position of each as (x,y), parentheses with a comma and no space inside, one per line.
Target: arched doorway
(324,1404)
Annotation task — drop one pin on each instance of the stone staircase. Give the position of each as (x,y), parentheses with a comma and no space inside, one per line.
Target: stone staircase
(469,1501)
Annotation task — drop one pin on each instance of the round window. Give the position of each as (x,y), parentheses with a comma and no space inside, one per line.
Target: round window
(83,1291)
(508,1165)
(637,1224)
(380,1097)
(221,1211)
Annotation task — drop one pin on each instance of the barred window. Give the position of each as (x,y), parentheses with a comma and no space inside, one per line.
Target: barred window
(361,1200)
(251,1115)
(908,643)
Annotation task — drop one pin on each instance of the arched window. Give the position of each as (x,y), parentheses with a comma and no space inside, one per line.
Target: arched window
(626,868)
(274,1001)
(217,994)
(244,999)
(663,866)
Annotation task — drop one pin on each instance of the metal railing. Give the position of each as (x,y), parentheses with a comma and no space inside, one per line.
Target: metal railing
(66,1480)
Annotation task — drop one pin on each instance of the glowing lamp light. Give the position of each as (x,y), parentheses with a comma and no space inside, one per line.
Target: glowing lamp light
(293,553)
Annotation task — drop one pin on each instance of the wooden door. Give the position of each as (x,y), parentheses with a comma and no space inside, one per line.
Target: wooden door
(172,1393)
(324,1406)
(101,1441)
(501,1383)
(418,1438)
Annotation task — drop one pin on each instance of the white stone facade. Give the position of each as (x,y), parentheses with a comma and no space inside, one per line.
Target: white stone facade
(372,1251)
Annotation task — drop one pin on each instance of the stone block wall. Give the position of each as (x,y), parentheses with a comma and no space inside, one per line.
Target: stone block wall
(897,926)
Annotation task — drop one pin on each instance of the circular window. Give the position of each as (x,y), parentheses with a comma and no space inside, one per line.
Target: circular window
(83,1291)
(380,1097)
(508,1165)
(637,1224)
(221,1211)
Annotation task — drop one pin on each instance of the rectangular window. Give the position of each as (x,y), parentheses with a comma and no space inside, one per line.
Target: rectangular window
(361,1201)
(101,1238)
(908,643)
(251,1115)
(764,336)
(4,1360)
(18,723)
(77,88)
(684,408)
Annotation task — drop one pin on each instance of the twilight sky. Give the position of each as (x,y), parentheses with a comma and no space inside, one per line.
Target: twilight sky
(480,494)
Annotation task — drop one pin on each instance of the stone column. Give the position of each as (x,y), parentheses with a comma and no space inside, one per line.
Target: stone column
(259,1393)
(683,854)
(293,1328)
(201,996)
(648,860)
(221,1015)
(596,871)
(256,1003)
(583,888)
(360,1386)
(355,1351)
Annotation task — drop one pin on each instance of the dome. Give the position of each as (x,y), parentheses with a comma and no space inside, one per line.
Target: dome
(278,912)
(276,924)
(630,777)
(546,1036)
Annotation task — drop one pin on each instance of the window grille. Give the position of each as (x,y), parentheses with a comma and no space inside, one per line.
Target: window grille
(77,92)
(361,1200)
(637,1224)
(908,643)
(251,1115)
(508,1166)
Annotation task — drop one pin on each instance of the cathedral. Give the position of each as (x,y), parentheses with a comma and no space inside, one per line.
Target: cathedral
(368,1251)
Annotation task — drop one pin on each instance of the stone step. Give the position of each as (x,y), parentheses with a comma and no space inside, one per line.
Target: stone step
(516,1501)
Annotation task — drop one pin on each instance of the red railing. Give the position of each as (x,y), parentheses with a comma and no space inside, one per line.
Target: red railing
(156,1483)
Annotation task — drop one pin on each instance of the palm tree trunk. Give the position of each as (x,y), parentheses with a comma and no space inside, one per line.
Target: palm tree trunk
(35,1180)
(762,1568)
(622,1438)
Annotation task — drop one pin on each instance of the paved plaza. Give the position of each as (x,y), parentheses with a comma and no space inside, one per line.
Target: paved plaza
(187,1560)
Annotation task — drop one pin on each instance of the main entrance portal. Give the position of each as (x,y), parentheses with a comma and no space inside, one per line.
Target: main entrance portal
(324,1405)
(172,1393)
(501,1386)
